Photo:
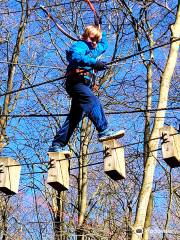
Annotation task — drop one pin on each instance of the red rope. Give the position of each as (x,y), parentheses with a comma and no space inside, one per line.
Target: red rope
(91,6)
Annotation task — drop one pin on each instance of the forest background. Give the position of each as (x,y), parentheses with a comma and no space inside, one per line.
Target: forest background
(139,92)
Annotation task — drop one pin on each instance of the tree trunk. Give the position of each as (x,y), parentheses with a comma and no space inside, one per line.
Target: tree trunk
(83,172)
(154,139)
(128,222)
(147,224)
(7,100)
(146,139)
(169,208)
(4,225)
(59,200)
(11,73)
(57,218)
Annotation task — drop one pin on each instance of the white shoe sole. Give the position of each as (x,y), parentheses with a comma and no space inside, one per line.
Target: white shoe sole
(118,135)
(66,153)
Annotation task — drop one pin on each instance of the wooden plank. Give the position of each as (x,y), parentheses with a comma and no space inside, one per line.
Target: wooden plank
(58,170)
(170,142)
(9,175)
(114,162)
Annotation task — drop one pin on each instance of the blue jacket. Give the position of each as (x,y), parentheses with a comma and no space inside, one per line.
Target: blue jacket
(82,55)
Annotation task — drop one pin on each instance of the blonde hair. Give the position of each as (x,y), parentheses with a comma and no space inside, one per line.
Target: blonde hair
(92,29)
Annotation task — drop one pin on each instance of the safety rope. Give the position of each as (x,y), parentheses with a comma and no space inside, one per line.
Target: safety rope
(96,15)
(91,6)
(57,25)
(60,28)
(34,115)
(116,61)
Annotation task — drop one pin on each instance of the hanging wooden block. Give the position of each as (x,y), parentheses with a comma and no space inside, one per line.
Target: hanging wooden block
(170,142)
(58,170)
(9,175)
(114,161)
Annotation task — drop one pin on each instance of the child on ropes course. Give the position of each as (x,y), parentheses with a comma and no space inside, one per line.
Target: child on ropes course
(82,58)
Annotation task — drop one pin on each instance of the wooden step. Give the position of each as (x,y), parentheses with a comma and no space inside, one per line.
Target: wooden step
(58,170)
(114,161)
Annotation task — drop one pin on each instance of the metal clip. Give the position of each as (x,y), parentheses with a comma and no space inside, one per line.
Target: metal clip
(52,163)
(107,152)
(164,138)
(2,168)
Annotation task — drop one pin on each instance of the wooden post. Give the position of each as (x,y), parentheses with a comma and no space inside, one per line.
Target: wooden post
(9,175)
(58,170)
(114,162)
(170,146)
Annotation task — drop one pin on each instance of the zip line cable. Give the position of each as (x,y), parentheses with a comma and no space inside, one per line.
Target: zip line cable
(60,4)
(73,168)
(110,63)
(53,5)
(91,153)
(107,113)
(32,86)
(38,8)
(88,154)
(43,8)
(57,25)
(78,167)
(143,51)
(30,65)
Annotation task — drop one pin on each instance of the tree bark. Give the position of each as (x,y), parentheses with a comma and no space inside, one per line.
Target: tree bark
(59,200)
(147,137)
(147,224)
(169,208)
(11,73)
(83,173)
(7,100)
(154,138)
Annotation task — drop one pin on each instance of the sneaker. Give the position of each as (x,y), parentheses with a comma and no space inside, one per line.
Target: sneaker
(108,134)
(58,148)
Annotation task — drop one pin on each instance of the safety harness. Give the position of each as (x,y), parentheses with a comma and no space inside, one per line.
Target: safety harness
(81,73)
(92,7)
(78,75)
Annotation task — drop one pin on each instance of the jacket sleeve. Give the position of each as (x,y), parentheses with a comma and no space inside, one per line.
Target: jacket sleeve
(101,46)
(77,55)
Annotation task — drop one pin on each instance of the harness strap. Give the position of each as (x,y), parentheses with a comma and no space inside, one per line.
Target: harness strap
(81,72)
(57,25)
(91,6)
(80,76)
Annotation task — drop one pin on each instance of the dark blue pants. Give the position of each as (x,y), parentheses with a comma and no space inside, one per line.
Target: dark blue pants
(84,102)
